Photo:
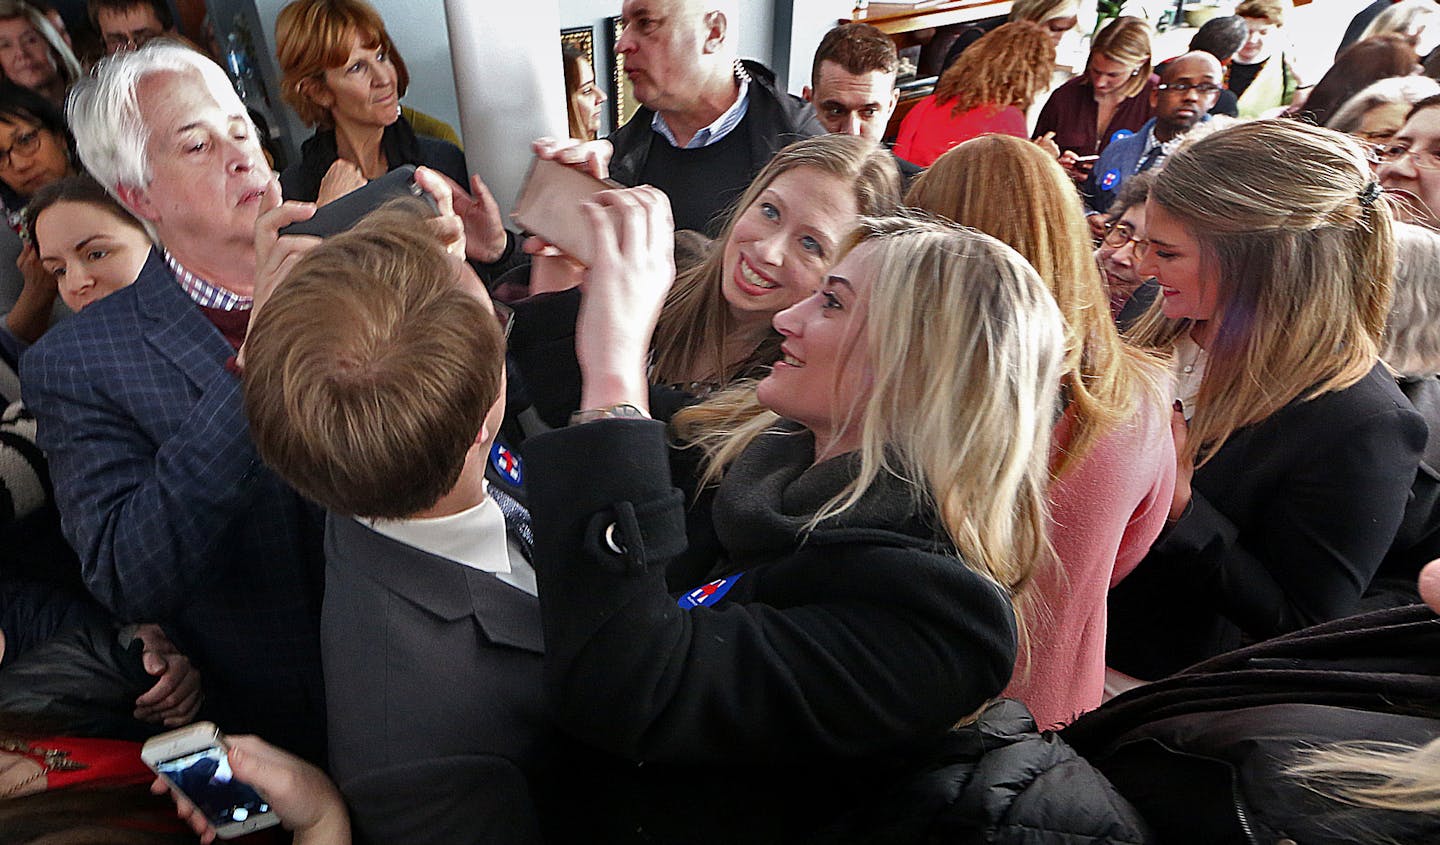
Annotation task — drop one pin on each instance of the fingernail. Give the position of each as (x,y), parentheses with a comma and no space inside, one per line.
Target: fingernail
(1179,406)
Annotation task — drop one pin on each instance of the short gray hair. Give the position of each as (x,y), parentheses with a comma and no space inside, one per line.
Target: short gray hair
(1397,89)
(104,109)
(1412,333)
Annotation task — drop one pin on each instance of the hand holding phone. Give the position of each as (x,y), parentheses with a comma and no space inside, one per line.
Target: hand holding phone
(194,761)
(549,205)
(340,214)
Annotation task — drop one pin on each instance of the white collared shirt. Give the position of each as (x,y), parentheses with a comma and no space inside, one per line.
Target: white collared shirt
(475,537)
(723,124)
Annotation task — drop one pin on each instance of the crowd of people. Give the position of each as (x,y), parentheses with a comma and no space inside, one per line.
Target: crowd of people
(962,468)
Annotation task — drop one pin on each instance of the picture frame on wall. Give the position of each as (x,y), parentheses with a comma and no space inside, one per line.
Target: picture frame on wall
(582,38)
(622,94)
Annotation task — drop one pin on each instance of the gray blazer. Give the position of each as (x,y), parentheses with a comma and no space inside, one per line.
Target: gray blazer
(436,711)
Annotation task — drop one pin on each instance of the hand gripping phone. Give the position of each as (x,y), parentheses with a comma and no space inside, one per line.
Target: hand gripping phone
(340,214)
(194,761)
(549,206)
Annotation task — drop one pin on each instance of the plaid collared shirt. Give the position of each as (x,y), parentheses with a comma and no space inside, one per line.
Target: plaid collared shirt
(722,125)
(205,293)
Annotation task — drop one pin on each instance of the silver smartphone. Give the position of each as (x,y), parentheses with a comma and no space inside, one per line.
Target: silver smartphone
(194,760)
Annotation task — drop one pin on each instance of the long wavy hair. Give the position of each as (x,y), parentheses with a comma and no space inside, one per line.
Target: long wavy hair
(689,341)
(1104,378)
(1302,248)
(966,346)
(1009,66)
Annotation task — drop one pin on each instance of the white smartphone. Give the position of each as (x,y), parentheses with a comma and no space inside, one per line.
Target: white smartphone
(194,761)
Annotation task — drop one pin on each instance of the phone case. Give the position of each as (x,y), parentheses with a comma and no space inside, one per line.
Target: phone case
(341,214)
(549,206)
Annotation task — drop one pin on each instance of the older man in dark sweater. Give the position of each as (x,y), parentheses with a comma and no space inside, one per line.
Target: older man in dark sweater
(707,123)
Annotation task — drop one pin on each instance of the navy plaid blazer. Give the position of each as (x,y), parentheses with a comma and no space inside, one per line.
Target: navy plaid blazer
(165,500)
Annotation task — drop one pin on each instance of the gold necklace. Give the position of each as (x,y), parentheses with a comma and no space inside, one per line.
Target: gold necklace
(51,760)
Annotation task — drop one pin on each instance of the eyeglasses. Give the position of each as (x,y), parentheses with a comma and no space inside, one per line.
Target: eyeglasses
(25,143)
(1422,159)
(117,41)
(1119,233)
(1182,87)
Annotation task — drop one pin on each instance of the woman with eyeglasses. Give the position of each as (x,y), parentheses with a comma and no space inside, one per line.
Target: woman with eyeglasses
(1124,228)
(1111,99)
(1296,449)
(1112,464)
(1378,112)
(1410,165)
(35,151)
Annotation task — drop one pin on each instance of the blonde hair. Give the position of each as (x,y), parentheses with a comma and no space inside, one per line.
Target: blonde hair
(1009,66)
(67,67)
(1384,775)
(1271,11)
(1302,249)
(1127,41)
(1405,18)
(1106,379)
(313,36)
(695,322)
(966,347)
(1040,11)
(1412,334)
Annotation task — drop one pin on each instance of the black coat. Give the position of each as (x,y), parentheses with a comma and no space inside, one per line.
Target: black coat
(1204,754)
(1288,524)
(997,779)
(809,669)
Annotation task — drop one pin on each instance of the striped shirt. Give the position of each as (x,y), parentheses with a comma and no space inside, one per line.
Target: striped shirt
(206,293)
(722,125)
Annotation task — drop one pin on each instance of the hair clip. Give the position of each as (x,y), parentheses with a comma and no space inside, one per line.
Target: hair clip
(1370,193)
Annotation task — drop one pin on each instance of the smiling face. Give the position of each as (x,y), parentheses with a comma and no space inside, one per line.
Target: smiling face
(25,56)
(1417,189)
(1189,284)
(824,375)
(1257,46)
(1119,265)
(781,246)
(208,173)
(37,157)
(362,93)
(854,103)
(90,250)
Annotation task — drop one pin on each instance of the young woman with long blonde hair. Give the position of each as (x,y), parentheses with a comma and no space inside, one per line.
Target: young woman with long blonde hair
(880,503)
(1112,461)
(1297,450)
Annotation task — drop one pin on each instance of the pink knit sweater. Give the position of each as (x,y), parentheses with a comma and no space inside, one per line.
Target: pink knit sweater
(1105,511)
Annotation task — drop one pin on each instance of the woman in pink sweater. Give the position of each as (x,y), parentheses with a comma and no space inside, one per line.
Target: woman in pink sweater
(1113,459)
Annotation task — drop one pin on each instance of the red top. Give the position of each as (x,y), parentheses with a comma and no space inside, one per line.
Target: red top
(929,130)
(1071,113)
(108,762)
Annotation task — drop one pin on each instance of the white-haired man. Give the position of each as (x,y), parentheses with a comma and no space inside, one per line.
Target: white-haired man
(159,486)
(707,123)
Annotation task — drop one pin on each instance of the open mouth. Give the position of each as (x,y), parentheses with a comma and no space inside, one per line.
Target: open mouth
(751,281)
(788,359)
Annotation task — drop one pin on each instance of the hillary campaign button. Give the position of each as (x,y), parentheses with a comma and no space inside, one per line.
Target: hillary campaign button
(1109,179)
(506,462)
(709,594)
